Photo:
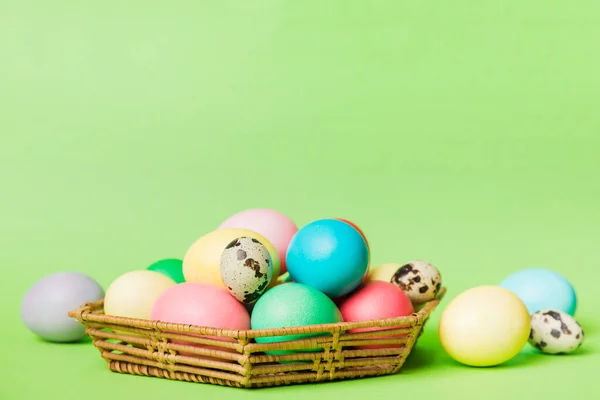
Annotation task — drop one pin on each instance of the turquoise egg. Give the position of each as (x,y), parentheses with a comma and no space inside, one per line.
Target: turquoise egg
(329,255)
(541,288)
(292,304)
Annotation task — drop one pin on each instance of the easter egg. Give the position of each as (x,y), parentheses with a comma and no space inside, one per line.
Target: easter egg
(541,288)
(171,267)
(352,224)
(376,300)
(484,326)
(132,294)
(292,304)
(555,332)
(204,305)
(246,269)
(277,227)
(46,305)
(202,261)
(420,280)
(383,272)
(329,255)
(285,278)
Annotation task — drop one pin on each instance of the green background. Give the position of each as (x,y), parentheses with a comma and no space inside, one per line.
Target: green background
(466,133)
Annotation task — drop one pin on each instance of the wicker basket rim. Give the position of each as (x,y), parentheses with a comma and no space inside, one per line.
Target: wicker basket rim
(88,312)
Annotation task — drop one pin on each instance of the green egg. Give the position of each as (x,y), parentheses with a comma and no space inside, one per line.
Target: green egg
(171,267)
(293,304)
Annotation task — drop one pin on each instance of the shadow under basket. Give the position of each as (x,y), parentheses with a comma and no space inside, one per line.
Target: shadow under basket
(254,358)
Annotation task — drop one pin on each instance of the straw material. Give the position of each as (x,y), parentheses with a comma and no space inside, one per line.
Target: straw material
(234,358)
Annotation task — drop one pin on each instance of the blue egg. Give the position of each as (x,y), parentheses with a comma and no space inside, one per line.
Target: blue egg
(541,288)
(328,255)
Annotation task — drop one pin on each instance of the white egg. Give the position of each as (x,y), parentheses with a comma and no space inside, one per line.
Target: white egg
(246,269)
(555,332)
(420,280)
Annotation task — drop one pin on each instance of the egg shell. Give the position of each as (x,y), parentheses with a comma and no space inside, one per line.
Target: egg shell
(555,332)
(246,269)
(46,305)
(202,260)
(383,272)
(284,278)
(292,304)
(329,255)
(352,224)
(171,267)
(541,288)
(133,293)
(484,326)
(204,305)
(376,300)
(277,227)
(419,279)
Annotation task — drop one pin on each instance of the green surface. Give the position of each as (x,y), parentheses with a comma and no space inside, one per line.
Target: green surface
(465,133)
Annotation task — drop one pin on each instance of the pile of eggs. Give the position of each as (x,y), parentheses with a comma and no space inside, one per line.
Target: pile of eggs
(256,270)
(489,325)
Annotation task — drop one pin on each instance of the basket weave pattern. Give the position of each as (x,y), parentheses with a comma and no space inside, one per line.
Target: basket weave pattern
(234,358)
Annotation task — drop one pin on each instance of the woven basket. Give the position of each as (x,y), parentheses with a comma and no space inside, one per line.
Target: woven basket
(234,358)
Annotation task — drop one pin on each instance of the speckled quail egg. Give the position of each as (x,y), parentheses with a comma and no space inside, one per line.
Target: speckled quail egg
(555,332)
(246,269)
(420,280)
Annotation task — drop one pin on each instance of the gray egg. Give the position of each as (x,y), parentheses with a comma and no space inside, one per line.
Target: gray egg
(46,305)
(555,332)
(420,280)
(246,269)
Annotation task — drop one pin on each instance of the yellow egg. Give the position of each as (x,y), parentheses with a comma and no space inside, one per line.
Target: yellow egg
(383,272)
(201,262)
(133,293)
(484,326)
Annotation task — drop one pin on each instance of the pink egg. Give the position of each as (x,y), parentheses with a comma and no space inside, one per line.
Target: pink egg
(201,304)
(352,224)
(273,225)
(375,300)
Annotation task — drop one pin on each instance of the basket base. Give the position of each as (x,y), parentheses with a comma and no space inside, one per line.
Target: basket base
(124,367)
